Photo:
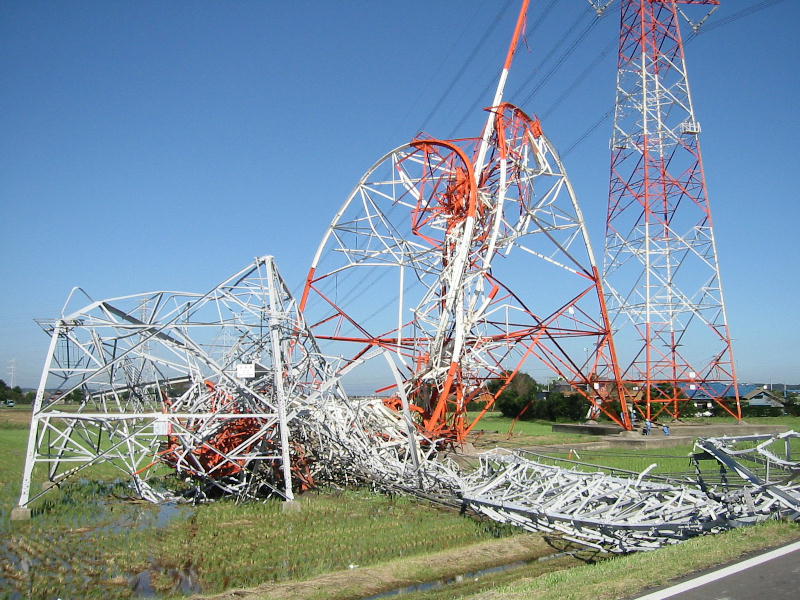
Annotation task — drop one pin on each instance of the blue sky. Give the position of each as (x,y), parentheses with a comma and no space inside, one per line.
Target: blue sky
(162,145)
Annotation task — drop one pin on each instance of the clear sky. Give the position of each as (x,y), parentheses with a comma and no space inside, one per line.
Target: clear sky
(162,145)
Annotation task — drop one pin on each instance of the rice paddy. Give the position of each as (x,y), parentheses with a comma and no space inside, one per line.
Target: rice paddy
(91,539)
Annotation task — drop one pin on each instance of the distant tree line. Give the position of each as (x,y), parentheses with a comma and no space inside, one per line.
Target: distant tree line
(15,394)
(524,393)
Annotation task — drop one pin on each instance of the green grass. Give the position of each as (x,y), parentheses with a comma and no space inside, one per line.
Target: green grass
(667,460)
(526,432)
(789,420)
(231,545)
(626,576)
(84,542)
(472,584)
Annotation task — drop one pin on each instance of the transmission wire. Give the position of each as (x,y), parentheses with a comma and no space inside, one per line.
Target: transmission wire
(465,64)
(567,53)
(726,21)
(740,14)
(535,71)
(435,72)
(484,93)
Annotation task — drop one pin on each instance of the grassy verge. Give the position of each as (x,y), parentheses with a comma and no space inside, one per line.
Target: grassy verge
(18,416)
(667,460)
(472,584)
(628,575)
(225,545)
(361,581)
(494,428)
(85,542)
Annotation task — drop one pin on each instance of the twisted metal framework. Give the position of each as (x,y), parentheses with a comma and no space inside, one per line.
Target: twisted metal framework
(605,511)
(415,262)
(621,512)
(755,470)
(206,383)
(228,389)
(660,270)
(231,389)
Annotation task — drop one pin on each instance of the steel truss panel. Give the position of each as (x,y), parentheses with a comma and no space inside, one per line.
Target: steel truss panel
(768,478)
(634,513)
(206,383)
(661,271)
(417,262)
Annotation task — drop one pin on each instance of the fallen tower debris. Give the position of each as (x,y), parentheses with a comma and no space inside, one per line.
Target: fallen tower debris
(232,390)
(624,514)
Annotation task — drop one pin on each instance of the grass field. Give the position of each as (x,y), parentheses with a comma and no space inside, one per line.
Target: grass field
(619,576)
(627,576)
(87,540)
(495,429)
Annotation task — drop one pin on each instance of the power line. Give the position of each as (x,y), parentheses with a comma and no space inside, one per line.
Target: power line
(435,72)
(740,14)
(466,64)
(588,132)
(484,93)
(549,55)
(582,77)
(567,53)
(722,22)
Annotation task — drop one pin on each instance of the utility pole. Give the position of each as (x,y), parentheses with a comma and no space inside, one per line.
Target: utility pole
(12,370)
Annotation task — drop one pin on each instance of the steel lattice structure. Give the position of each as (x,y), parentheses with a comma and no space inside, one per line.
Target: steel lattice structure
(621,512)
(419,271)
(763,462)
(660,269)
(416,259)
(206,383)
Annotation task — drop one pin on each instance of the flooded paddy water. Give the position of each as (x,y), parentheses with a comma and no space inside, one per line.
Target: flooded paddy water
(86,543)
(88,539)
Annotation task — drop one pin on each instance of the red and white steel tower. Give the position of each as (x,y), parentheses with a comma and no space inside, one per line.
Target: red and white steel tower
(661,273)
(457,261)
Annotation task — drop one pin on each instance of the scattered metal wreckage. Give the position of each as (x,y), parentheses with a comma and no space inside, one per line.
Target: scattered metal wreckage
(640,512)
(240,392)
(205,383)
(770,479)
(227,388)
(425,259)
(230,390)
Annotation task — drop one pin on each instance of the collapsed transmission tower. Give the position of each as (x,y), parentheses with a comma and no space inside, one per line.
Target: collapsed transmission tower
(426,259)
(661,272)
(204,383)
(231,390)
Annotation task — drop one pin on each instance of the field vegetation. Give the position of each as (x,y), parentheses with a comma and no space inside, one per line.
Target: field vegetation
(620,576)
(90,539)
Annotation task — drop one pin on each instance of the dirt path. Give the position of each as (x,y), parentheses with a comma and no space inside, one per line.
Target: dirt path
(362,582)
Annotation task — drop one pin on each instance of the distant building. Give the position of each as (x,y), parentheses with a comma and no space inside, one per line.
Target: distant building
(562,387)
(709,391)
(704,395)
(762,397)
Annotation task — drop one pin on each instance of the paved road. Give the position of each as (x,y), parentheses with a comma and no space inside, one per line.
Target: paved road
(774,575)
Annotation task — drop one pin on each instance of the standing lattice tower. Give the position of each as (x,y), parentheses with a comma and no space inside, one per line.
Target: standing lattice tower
(662,276)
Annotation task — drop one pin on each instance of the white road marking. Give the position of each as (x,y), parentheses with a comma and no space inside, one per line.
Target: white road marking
(715,575)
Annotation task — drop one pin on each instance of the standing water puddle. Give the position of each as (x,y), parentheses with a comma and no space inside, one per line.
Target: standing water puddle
(475,575)
(184,581)
(25,565)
